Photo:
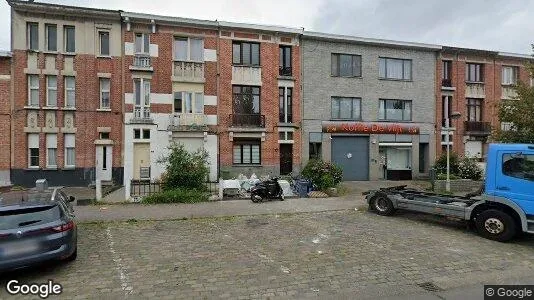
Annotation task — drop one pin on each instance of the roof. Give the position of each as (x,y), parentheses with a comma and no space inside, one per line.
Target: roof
(63,9)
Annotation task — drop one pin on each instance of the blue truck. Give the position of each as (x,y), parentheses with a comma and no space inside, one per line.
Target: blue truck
(502,208)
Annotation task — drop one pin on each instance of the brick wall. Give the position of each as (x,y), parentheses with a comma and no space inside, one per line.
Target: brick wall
(5,111)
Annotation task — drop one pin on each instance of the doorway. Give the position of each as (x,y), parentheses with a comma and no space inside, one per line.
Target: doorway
(286,159)
(141,161)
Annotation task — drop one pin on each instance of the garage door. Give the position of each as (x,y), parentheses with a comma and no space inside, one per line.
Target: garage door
(352,154)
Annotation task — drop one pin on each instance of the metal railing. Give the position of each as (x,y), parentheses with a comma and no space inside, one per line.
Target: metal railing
(248,120)
(285,71)
(189,70)
(446,82)
(142,61)
(142,113)
(477,127)
(143,188)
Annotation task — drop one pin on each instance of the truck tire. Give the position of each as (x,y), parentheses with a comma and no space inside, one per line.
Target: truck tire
(382,205)
(496,225)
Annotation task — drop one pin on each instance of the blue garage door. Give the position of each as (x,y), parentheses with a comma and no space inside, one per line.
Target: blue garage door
(352,154)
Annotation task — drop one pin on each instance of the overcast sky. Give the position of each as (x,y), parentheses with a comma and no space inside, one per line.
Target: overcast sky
(503,25)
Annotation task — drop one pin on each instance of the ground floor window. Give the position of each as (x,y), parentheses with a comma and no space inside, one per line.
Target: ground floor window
(70,153)
(315,151)
(51,150)
(247,152)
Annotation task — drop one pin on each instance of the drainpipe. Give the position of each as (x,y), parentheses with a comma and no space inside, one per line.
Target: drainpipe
(218,101)
(123,106)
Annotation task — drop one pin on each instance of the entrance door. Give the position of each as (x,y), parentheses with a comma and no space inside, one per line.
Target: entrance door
(351,154)
(141,161)
(286,159)
(104,162)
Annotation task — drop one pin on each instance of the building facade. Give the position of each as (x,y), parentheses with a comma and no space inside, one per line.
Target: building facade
(5,118)
(471,84)
(67,102)
(368,105)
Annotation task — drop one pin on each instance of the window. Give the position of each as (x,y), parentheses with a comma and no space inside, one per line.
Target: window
(33,36)
(70,152)
(105,88)
(33,150)
(447,69)
(104,135)
(247,54)
(51,150)
(285,135)
(509,75)
(51,91)
(346,108)
(518,166)
(316,139)
(33,90)
(188,102)
(474,110)
(178,102)
(285,61)
(474,73)
(395,110)
(285,104)
(346,65)
(51,37)
(103,38)
(188,49)
(246,99)
(446,102)
(146,133)
(393,68)
(142,98)
(142,43)
(104,158)
(137,133)
(247,152)
(70,39)
(70,91)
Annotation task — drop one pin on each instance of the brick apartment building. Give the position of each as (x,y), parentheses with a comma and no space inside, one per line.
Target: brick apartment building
(67,101)
(473,83)
(5,118)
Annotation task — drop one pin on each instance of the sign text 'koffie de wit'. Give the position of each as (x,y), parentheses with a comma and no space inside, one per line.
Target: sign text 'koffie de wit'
(369,128)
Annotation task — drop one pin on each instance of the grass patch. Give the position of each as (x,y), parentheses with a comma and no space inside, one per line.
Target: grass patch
(177,196)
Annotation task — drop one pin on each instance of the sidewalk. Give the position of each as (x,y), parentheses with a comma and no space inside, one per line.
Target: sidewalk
(125,212)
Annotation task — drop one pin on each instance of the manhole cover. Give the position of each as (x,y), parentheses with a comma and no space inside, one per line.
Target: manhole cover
(429,286)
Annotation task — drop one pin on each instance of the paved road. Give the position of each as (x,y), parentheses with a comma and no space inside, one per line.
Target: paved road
(324,255)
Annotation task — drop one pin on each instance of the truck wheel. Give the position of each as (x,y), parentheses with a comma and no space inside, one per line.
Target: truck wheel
(496,225)
(382,205)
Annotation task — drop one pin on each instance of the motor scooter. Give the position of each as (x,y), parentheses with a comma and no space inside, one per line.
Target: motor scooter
(267,190)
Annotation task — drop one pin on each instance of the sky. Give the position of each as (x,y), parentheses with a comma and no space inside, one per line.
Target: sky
(501,25)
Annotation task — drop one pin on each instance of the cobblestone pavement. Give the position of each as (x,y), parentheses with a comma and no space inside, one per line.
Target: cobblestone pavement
(324,255)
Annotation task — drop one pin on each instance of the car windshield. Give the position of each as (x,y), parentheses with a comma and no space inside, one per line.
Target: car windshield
(28,216)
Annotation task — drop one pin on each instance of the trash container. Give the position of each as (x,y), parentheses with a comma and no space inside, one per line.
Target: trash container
(303,187)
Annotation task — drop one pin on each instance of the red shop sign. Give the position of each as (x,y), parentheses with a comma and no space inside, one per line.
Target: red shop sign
(369,128)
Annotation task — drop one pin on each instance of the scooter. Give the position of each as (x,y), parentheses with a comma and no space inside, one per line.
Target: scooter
(268,189)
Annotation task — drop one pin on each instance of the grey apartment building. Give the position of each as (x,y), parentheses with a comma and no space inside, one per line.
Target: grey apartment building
(368,105)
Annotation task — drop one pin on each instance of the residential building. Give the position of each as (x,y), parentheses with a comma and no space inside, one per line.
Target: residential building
(368,105)
(67,100)
(5,118)
(471,83)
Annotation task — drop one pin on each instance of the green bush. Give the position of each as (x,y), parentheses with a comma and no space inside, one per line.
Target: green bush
(184,170)
(441,163)
(469,169)
(443,176)
(323,174)
(177,196)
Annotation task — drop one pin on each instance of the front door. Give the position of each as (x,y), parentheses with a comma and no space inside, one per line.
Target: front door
(141,161)
(286,159)
(104,162)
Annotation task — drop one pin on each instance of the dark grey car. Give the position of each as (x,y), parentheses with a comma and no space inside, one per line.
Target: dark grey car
(36,226)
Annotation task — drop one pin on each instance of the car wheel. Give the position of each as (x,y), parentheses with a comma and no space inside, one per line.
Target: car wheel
(382,205)
(496,225)
(73,256)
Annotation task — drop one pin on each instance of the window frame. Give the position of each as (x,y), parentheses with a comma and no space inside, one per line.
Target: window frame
(241,63)
(339,99)
(48,156)
(30,88)
(47,37)
(283,49)
(144,43)
(49,89)
(29,43)
(531,179)
(188,54)
(66,38)
(476,103)
(515,75)
(385,77)
(67,148)
(481,74)
(243,143)
(101,33)
(338,65)
(446,73)
(30,156)
(102,91)
(403,110)
(285,112)
(69,89)
(252,87)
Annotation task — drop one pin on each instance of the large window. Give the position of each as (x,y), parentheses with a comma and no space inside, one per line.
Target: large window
(142,98)
(395,110)
(393,68)
(246,99)
(245,53)
(346,65)
(51,37)
(519,166)
(51,91)
(285,95)
(33,36)
(33,150)
(188,49)
(33,90)
(70,150)
(285,68)
(346,108)
(51,150)
(474,110)
(142,43)
(70,39)
(188,102)
(446,74)
(247,152)
(70,91)
(474,72)
(105,91)
(509,75)
(103,42)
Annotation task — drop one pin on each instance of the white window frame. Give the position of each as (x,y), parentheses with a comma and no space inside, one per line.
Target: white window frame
(65,44)
(99,35)
(29,38)
(70,89)
(515,75)
(195,97)
(143,50)
(49,89)
(30,88)
(286,111)
(102,91)
(70,146)
(48,148)
(387,76)
(188,58)
(144,97)
(47,37)
(33,147)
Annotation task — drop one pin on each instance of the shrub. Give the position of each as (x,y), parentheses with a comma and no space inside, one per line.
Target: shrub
(443,176)
(184,170)
(323,174)
(441,163)
(177,196)
(469,169)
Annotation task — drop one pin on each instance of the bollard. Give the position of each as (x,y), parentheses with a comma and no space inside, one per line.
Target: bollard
(98,189)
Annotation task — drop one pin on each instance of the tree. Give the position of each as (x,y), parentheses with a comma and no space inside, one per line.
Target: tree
(519,113)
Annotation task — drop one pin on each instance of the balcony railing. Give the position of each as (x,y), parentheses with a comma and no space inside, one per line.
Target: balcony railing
(477,128)
(285,71)
(446,83)
(142,61)
(508,93)
(187,122)
(142,115)
(475,90)
(188,71)
(246,75)
(248,120)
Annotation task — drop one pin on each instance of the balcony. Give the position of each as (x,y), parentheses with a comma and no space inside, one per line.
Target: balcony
(477,128)
(248,120)
(187,122)
(188,71)
(285,71)
(141,115)
(246,75)
(508,93)
(475,90)
(142,62)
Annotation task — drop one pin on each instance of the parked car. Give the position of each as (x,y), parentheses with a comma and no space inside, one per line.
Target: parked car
(36,225)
